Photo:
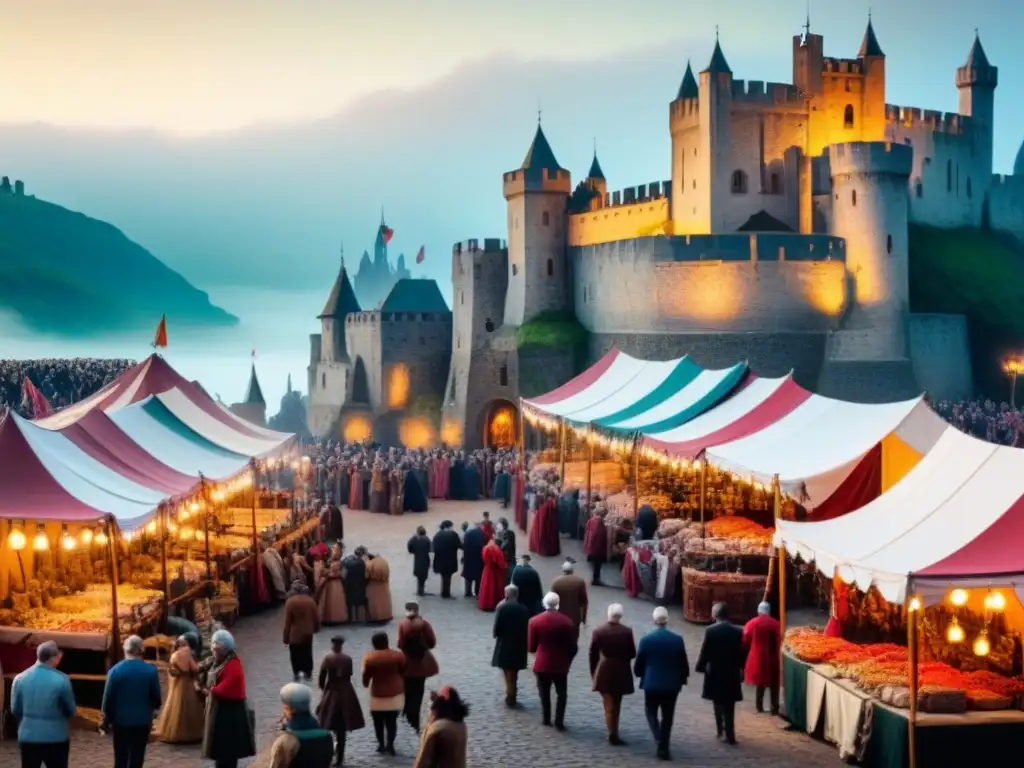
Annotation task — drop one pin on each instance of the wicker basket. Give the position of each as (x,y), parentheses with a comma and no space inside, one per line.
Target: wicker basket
(741,594)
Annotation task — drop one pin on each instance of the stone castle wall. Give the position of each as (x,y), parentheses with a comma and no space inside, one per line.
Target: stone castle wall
(1005,205)
(940,351)
(700,284)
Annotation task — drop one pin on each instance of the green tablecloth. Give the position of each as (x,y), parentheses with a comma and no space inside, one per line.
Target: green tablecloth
(940,745)
(794,690)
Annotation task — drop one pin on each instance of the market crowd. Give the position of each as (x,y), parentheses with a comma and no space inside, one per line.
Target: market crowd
(984,419)
(62,381)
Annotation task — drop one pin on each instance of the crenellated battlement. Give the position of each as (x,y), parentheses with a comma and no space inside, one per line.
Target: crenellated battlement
(376,317)
(837,66)
(645,193)
(683,109)
(536,180)
(870,157)
(760,92)
(477,255)
(485,245)
(940,122)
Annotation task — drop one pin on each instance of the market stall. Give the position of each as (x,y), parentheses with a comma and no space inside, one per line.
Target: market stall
(941,552)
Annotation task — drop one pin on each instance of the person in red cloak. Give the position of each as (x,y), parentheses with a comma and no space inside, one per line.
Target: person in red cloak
(762,641)
(595,545)
(492,584)
(544,530)
(487,527)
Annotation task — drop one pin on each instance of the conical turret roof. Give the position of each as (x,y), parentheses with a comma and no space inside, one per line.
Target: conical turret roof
(688,88)
(869,45)
(254,395)
(595,171)
(977,59)
(342,300)
(540,156)
(718,64)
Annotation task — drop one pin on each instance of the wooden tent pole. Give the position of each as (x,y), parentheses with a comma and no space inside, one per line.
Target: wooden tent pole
(206,533)
(590,466)
(162,513)
(522,437)
(636,476)
(112,548)
(563,437)
(913,654)
(777,492)
(255,532)
(703,495)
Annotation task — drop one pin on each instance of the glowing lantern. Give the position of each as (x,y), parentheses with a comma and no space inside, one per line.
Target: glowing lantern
(995,601)
(67,541)
(100,537)
(127,536)
(958,597)
(171,528)
(151,526)
(193,507)
(39,542)
(915,604)
(16,539)
(981,644)
(217,496)
(199,535)
(954,632)
(86,536)
(305,459)
(185,533)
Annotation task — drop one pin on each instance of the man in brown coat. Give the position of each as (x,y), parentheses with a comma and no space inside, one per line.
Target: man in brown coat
(572,595)
(416,639)
(301,622)
(612,650)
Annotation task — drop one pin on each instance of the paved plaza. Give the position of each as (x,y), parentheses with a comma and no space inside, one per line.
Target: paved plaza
(498,737)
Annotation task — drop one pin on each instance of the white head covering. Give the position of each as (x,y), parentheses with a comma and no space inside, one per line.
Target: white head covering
(764,609)
(567,566)
(615,612)
(660,616)
(551,601)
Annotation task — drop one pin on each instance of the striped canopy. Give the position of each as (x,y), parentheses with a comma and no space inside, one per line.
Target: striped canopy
(126,453)
(623,393)
(746,424)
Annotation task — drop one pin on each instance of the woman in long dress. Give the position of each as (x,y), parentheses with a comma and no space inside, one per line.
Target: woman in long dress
(414,497)
(229,734)
(396,489)
(378,589)
(183,716)
(355,489)
(339,710)
(330,595)
(492,584)
(378,490)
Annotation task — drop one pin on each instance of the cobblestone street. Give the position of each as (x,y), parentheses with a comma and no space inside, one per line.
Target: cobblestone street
(498,737)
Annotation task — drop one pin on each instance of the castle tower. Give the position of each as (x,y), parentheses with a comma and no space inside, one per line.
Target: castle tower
(340,303)
(869,210)
(869,121)
(254,407)
(688,203)
(977,80)
(537,194)
(715,106)
(596,180)
(482,379)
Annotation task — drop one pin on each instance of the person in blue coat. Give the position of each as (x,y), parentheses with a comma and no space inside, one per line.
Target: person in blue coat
(130,698)
(42,700)
(473,541)
(663,669)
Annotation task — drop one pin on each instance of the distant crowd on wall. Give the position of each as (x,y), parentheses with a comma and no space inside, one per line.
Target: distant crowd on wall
(984,419)
(62,381)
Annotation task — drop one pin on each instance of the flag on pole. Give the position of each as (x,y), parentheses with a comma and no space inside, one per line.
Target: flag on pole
(160,340)
(386,233)
(421,254)
(32,397)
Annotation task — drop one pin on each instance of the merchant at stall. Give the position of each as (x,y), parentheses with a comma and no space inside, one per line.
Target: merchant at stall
(646,523)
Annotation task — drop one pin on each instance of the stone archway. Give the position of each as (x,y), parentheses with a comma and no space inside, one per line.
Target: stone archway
(499,424)
(360,382)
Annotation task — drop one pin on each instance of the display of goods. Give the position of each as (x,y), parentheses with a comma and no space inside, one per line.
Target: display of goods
(672,526)
(740,528)
(727,546)
(701,578)
(85,626)
(880,666)
(89,609)
(987,701)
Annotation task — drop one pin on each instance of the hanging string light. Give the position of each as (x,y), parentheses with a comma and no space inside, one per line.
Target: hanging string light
(958,597)
(981,644)
(954,632)
(86,536)
(151,527)
(67,541)
(40,543)
(15,537)
(915,604)
(995,601)
(100,537)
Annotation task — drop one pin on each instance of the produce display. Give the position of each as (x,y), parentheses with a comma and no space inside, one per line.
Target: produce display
(86,611)
(881,669)
(738,537)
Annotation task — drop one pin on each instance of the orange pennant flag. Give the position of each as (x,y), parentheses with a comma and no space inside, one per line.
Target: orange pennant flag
(160,341)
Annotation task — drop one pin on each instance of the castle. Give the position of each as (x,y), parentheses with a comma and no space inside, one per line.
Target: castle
(781,239)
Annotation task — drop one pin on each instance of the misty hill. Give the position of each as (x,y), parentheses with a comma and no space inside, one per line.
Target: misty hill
(63,272)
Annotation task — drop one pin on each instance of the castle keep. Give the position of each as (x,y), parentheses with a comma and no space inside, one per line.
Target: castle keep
(780,238)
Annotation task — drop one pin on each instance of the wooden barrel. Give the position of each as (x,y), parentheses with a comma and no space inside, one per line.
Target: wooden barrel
(741,593)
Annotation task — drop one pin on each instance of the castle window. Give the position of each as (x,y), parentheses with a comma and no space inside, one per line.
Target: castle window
(515,270)
(503,376)
(848,116)
(682,171)
(919,188)
(545,218)
(551,267)
(323,381)
(775,184)
(739,183)
(462,297)
(458,342)
(968,187)
(846,83)
(489,325)
(693,184)
(853,198)
(888,243)
(949,175)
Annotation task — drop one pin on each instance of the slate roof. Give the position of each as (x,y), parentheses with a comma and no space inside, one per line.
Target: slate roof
(254,395)
(718,64)
(977,59)
(540,156)
(595,171)
(688,88)
(869,46)
(763,221)
(412,294)
(342,300)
